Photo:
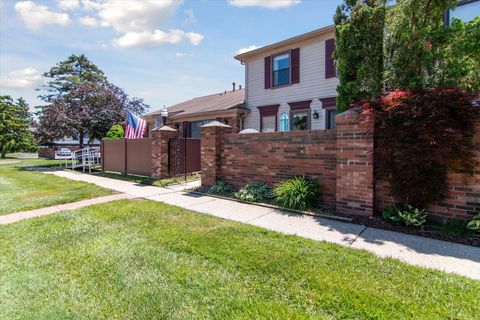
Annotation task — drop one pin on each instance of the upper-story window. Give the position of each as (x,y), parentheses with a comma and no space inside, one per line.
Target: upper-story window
(281,70)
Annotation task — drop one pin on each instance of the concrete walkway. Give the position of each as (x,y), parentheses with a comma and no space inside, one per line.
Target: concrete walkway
(420,251)
(17,216)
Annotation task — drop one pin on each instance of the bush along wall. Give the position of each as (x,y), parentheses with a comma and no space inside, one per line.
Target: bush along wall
(421,136)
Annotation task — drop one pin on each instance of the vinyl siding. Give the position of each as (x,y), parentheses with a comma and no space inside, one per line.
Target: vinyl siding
(312,86)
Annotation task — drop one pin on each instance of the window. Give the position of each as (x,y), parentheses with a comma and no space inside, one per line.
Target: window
(268,118)
(465,10)
(300,119)
(330,121)
(194,128)
(281,70)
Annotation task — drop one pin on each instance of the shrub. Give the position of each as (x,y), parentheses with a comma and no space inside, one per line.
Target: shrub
(116,132)
(420,135)
(474,224)
(255,192)
(408,215)
(221,188)
(297,193)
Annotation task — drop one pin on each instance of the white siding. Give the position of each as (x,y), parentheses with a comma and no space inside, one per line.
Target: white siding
(312,86)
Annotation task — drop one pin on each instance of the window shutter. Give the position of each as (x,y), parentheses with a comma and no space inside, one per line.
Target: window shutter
(295,56)
(330,71)
(268,72)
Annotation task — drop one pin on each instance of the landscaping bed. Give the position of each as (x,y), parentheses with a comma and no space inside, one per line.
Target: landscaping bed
(142,259)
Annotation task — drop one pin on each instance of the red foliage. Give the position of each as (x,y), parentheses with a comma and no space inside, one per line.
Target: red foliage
(420,135)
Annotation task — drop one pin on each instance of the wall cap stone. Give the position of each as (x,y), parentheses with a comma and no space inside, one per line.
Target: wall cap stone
(350,112)
(244,131)
(215,124)
(164,128)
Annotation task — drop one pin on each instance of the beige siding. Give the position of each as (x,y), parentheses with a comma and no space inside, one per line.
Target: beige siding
(312,86)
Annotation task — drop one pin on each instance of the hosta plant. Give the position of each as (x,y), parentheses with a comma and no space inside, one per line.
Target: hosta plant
(408,215)
(255,192)
(298,193)
(221,188)
(474,224)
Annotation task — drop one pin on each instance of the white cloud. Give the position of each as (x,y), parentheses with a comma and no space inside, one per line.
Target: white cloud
(27,78)
(91,5)
(88,21)
(68,4)
(250,48)
(148,39)
(269,4)
(35,16)
(183,54)
(195,38)
(137,16)
(190,17)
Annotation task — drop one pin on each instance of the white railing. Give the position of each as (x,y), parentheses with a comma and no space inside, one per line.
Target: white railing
(86,158)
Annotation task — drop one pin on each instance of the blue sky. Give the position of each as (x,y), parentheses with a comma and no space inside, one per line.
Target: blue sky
(163,51)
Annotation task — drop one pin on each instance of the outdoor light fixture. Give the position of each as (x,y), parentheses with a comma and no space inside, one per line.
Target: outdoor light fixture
(164,114)
(315,114)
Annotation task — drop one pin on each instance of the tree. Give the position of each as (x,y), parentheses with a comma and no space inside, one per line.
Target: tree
(116,132)
(359,50)
(14,122)
(81,101)
(410,32)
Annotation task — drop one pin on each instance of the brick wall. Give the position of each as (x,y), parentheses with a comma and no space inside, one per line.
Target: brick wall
(341,160)
(274,157)
(463,198)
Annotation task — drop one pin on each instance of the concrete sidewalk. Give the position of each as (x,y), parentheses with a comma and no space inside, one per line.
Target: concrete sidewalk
(420,251)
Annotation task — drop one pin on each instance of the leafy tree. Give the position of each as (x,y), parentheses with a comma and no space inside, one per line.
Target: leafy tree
(412,26)
(14,122)
(359,50)
(116,132)
(81,101)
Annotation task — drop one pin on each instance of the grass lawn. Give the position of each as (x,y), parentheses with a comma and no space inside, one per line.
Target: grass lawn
(140,259)
(41,162)
(21,189)
(147,180)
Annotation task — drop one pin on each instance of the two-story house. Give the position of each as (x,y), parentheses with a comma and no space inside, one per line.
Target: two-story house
(291,84)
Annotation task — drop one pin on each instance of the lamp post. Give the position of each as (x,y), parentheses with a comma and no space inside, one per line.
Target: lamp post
(164,114)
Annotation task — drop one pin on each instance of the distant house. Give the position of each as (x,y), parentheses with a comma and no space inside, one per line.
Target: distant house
(188,116)
(466,10)
(48,150)
(291,84)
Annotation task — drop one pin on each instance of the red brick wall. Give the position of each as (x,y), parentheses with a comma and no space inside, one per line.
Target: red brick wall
(463,198)
(274,157)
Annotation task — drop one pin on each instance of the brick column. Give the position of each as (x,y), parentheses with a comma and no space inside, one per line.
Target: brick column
(160,137)
(355,174)
(211,148)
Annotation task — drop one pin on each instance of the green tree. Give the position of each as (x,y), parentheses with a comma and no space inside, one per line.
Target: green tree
(116,132)
(411,30)
(15,119)
(359,50)
(81,101)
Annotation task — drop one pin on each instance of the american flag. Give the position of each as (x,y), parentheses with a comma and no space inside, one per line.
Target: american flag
(136,127)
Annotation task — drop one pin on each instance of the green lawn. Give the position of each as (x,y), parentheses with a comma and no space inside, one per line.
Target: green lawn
(22,189)
(41,162)
(139,259)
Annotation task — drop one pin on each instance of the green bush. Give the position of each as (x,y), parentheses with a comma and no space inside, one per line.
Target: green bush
(298,193)
(408,215)
(221,188)
(116,132)
(474,224)
(255,192)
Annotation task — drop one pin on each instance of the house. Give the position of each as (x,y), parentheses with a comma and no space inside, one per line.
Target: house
(465,10)
(227,107)
(291,84)
(49,149)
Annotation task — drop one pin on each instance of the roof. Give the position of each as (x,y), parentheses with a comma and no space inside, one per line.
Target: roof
(214,102)
(289,41)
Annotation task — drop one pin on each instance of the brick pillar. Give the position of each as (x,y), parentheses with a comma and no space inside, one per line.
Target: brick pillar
(355,174)
(160,137)
(211,146)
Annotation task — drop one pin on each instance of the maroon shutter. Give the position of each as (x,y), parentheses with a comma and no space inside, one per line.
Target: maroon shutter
(268,72)
(330,71)
(295,56)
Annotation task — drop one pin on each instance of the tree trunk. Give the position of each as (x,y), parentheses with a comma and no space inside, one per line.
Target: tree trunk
(80,139)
